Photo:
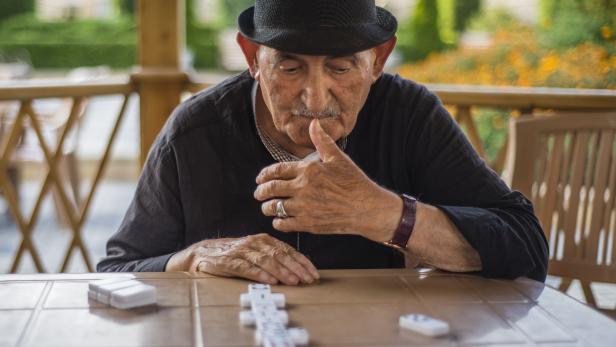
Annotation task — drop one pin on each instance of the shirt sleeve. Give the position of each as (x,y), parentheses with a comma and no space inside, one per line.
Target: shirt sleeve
(151,230)
(497,222)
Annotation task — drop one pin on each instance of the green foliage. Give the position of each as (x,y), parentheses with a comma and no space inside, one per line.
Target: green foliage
(603,10)
(492,21)
(26,28)
(88,43)
(9,8)
(464,11)
(127,7)
(446,20)
(201,40)
(421,36)
(71,44)
(572,22)
(68,55)
(233,8)
(492,127)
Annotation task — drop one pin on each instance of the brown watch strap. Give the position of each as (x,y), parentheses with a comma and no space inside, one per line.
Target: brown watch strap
(407,223)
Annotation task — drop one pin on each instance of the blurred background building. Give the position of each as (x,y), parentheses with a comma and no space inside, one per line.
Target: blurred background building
(58,10)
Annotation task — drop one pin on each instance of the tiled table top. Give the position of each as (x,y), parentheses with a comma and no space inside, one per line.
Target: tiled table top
(347,308)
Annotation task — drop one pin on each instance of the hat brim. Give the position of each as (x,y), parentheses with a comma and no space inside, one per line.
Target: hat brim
(321,41)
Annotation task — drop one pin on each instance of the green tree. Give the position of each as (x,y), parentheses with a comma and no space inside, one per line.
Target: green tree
(446,20)
(127,7)
(201,39)
(421,36)
(464,11)
(9,8)
(233,8)
(566,23)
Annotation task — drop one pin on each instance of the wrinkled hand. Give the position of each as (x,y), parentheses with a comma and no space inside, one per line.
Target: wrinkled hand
(260,258)
(331,196)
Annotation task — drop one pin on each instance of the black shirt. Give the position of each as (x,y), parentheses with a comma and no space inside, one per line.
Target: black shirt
(199,179)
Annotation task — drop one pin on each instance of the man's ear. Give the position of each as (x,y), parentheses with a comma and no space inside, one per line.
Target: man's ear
(382,53)
(250,50)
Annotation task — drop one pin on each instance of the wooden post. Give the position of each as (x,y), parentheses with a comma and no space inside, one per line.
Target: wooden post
(159,79)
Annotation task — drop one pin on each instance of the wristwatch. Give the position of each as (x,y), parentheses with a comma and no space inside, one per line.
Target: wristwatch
(405,227)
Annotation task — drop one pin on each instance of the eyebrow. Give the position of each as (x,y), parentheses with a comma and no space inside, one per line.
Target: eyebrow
(281,56)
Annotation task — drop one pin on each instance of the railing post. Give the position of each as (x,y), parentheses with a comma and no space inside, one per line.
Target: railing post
(159,78)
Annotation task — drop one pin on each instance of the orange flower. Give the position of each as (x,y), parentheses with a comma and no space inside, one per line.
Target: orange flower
(515,58)
(606,32)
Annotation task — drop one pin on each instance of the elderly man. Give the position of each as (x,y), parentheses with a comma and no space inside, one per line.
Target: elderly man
(315,158)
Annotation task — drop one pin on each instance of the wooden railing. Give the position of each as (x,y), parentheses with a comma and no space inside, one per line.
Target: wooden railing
(73,208)
(464,100)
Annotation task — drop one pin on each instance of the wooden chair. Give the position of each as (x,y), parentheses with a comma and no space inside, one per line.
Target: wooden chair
(566,164)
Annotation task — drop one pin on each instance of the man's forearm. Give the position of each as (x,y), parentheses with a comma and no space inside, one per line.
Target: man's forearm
(436,241)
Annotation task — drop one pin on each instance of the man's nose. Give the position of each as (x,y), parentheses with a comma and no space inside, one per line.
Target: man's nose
(316,92)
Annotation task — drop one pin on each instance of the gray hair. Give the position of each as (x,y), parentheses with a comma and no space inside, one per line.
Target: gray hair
(329,111)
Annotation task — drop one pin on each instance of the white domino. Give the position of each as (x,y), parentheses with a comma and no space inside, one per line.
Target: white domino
(248,299)
(299,336)
(122,292)
(269,319)
(134,296)
(423,324)
(259,288)
(94,286)
(104,291)
(247,318)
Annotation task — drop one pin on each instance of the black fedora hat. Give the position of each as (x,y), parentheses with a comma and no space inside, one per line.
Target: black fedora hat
(317,27)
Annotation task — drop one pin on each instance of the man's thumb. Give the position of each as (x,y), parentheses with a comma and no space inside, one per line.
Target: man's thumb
(323,143)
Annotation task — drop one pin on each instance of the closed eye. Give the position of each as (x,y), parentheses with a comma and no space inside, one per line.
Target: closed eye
(290,70)
(341,70)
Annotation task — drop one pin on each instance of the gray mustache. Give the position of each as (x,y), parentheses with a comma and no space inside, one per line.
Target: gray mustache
(329,111)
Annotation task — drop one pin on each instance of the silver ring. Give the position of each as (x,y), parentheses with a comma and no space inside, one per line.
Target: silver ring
(280,212)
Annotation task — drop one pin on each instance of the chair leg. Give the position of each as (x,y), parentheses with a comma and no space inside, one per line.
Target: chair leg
(588,294)
(565,284)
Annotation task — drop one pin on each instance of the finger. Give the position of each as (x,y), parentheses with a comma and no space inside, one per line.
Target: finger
(236,267)
(324,144)
(302,259)
(297,256)
(289,224)
(274,189)
(283,254)
(271,266)
(278,171)
(269,208)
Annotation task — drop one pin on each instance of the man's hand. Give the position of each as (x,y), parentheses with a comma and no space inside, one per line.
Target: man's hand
(332,196)
(260,258)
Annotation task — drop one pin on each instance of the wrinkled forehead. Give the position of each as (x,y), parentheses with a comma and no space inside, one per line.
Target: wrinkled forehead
(278,55)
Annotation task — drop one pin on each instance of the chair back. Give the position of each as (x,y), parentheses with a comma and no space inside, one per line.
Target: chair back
(566,164)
